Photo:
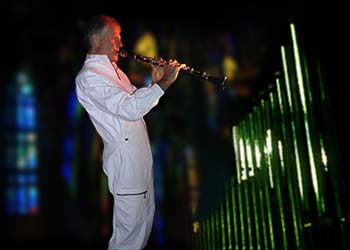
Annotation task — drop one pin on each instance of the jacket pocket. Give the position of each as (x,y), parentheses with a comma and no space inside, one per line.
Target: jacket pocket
(133,194)
(131,209)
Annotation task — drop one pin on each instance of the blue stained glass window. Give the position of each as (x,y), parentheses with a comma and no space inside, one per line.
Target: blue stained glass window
(21,157)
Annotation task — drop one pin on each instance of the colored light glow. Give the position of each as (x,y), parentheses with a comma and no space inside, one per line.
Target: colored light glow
(230,67)
(268,152)
(26,151)
(146,45)
(74,109)
(68,147)
(67,172)
(148,80)
(257,154)
(21,179)
(160,151)
(66,169)
(280,151)
(243,160)
(21,161)
(159,224)
(32,159)
(196,227)
(68,166)
(324,156)
(249,158)
(25,112)
(21,154)
(33,200)
(22,200)
(32,178)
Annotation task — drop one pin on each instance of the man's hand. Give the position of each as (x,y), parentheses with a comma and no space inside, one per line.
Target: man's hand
(157,72)
(170,72)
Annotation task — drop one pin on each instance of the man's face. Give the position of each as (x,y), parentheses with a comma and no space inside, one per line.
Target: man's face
(108,42)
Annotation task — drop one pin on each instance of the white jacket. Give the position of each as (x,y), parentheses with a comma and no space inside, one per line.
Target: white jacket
(116,109)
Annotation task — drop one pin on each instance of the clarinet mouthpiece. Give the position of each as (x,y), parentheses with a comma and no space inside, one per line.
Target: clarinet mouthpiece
(123,53)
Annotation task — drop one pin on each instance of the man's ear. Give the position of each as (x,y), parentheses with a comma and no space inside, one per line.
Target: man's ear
(95,41)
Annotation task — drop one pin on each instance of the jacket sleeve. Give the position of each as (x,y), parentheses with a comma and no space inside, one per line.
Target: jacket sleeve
(98,91)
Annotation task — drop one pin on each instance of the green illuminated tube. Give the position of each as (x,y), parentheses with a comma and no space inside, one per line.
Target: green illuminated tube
(228,219)
(235,212)
(246,184)
(254,189)
(208,230)
(304,97)
(292,106)
(260,174)
(241,169)
(212,224)
(267,171)
(222,219)
(282,100)
(217,227)
(277,164)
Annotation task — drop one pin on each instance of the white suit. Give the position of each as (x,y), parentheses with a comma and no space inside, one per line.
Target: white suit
(116,109)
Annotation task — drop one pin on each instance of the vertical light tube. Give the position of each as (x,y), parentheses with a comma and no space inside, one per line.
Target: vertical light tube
(306,117)
(228,219)
(223,228)
(240,187)
(286,148)
(260,174)
(267,170)
(330,149)
(208,230)
(247,161)
(213,236)
(277,162)
(255,158)
(217,227)
(293,123)
(235,213)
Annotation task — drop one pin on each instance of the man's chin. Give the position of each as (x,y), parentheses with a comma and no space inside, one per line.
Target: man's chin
(115,59)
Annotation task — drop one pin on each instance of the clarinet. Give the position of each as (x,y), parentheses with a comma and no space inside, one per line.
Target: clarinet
(218,81)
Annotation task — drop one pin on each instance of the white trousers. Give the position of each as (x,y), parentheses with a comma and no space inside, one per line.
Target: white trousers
(132,220)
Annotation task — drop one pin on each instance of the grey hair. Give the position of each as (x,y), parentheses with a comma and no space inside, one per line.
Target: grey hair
(95,27)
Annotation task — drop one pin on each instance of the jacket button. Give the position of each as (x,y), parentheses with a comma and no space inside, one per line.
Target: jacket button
(126,139)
